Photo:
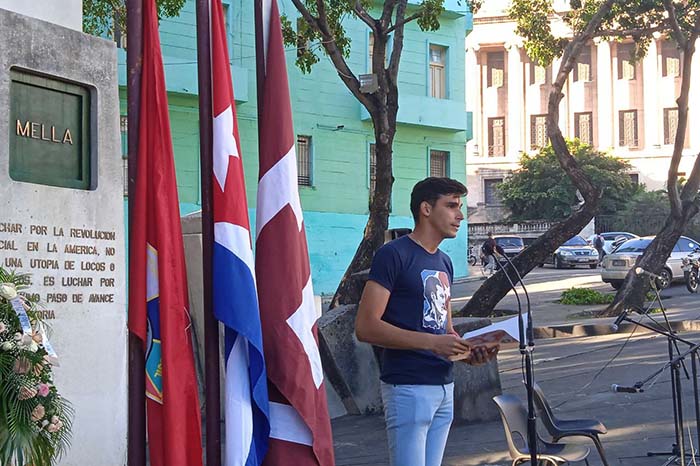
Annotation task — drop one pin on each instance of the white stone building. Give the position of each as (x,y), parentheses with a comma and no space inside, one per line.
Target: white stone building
(624,108)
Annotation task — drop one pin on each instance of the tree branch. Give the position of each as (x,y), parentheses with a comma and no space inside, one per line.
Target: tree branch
(337,58)
(676,31)
(306,14)
(622,33)
(690,190)
(398,29)
(364,16)
(572,50)
(322,18)
(387,13)
(406,20)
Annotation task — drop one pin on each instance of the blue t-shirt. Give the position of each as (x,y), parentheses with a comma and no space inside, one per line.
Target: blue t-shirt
(419,283)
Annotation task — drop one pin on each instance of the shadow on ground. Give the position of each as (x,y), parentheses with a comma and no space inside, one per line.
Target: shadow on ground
(576,374)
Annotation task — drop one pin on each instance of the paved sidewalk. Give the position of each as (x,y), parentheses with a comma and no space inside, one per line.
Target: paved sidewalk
(576,320)
(576,372)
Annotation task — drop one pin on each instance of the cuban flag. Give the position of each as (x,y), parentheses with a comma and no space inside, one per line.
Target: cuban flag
(299,422)
(234,291)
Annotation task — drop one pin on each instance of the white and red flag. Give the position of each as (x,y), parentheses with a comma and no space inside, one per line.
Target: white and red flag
(234,293)
(300,431)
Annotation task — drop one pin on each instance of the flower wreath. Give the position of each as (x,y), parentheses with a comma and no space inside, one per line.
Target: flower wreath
(35,421)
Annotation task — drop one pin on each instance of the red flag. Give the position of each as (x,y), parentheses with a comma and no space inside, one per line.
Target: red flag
(158,301)
(300,431)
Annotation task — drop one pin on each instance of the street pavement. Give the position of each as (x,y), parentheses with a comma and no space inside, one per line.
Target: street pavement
(575,372)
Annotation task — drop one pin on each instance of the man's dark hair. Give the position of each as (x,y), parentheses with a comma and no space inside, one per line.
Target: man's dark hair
(430,190)
(430,287)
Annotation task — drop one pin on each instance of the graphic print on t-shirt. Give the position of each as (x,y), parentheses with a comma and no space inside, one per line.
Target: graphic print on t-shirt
(436,293)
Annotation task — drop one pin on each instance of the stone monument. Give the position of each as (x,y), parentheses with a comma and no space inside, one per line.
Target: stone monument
(61,208)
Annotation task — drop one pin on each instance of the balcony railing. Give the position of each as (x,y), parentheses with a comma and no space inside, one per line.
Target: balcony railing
(530,229)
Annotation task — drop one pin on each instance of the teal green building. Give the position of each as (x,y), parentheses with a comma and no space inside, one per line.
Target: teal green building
(334,132)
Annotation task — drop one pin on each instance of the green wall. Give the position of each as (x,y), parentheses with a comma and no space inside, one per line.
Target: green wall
(336,205)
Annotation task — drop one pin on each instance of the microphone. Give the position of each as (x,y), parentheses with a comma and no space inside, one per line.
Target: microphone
(641,271)
(615,326)
(615,388)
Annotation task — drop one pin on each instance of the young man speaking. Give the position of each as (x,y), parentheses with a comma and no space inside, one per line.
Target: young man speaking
(405,309)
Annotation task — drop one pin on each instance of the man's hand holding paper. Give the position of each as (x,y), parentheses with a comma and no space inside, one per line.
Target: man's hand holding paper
(485,342)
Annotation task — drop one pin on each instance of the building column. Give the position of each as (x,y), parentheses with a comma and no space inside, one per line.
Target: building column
(693,110)
(515,102)
(473,91)
(652,135)
(604,78)
(564,104)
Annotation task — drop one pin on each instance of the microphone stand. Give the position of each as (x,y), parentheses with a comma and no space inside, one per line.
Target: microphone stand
(526,349)
(676,362)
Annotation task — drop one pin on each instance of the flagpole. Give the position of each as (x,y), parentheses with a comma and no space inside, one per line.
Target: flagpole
(211,324)
(259,60)
(137,371)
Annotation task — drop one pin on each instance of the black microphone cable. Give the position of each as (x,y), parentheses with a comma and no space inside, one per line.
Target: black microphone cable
(512,287)
(530,330)
(520,312)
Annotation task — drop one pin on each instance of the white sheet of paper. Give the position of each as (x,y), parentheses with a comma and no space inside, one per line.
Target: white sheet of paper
(510,326)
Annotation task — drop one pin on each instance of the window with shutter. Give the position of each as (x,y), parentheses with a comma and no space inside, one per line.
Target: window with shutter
(626,66)
(670,59)
(491,195)
(628,129)
(304,160)
(538,74)
(582,70)
(438,163)
(670,125)
(538,131)
(438,74)
(583,129)
(495,69)
(497,137)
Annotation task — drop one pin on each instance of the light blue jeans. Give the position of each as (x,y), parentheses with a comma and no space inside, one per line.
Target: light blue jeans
(418,419)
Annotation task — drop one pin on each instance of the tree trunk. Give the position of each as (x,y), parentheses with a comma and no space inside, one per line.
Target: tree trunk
(631,294)
(684,205)
(351,285)
(496,287)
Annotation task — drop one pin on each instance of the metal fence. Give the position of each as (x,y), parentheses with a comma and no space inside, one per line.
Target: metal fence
(642,225)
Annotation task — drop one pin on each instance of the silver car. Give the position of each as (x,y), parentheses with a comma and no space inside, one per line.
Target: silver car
(576,251)
(617,264)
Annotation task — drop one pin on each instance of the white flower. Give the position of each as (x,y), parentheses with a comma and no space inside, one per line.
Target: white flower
(8,291)
(22,339)
(33,347)
(7,346)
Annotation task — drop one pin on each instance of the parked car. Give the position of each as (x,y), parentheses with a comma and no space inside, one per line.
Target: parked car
(613,239)
(512,244)
(617,264)
(576,251)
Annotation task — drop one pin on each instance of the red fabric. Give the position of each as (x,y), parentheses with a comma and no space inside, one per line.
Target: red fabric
(282,269)
(174,427)
(289,453)
(228,208)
